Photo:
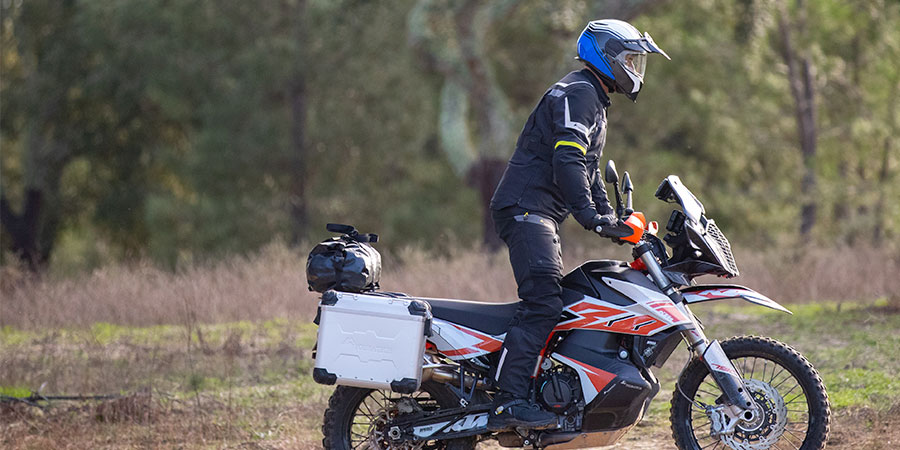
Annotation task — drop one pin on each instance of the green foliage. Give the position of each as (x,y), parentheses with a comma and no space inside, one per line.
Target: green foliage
(15,391)
(862,387)
(165,128)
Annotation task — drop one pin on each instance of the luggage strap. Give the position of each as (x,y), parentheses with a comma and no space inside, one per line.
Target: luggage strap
(351,232)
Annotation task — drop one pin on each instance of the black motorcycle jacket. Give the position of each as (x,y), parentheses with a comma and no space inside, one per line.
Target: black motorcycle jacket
(554,170)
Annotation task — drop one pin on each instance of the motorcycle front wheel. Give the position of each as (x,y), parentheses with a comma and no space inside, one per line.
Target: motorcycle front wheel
(356,417)
(795,414)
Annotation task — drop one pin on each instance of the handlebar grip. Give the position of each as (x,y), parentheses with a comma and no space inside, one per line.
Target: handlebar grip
(619,230)
(608,231)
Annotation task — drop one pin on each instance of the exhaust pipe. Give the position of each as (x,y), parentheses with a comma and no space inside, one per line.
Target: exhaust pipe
(449,374)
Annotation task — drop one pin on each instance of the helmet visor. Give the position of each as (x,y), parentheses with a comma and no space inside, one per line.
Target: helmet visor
(634,62)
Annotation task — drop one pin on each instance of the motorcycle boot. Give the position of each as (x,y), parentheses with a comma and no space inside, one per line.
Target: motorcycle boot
(508,412)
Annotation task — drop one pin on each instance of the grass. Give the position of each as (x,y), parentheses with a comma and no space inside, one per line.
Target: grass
(243,383)
(219,356)
(208,386)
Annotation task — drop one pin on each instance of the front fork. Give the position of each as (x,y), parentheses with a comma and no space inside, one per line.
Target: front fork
(740,403)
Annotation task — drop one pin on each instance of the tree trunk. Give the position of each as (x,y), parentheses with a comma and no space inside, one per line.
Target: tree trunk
(489,106)
(298,98)
(484,176)
(24,229)
(885,174)
(478,152)
(800,80)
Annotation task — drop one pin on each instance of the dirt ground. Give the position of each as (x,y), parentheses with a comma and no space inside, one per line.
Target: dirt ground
(851,429)
(129,423)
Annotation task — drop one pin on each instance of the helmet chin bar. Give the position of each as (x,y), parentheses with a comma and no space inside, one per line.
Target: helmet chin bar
(632,96)
(627,83)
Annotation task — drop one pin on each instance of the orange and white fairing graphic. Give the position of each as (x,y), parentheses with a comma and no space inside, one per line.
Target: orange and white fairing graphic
(458,342)
(696,294)
(593,380)
(650,313)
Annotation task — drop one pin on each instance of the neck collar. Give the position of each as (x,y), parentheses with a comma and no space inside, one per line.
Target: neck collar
(598,86)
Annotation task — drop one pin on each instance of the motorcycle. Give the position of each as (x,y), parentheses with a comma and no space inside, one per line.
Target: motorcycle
(620,319)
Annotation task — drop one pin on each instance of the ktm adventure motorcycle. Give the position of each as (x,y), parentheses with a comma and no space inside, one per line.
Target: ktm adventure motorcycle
(619,320)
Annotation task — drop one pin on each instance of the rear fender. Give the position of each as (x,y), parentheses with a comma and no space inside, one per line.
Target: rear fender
(708,292)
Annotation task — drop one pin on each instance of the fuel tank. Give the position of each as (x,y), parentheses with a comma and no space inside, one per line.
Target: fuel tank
(586,279)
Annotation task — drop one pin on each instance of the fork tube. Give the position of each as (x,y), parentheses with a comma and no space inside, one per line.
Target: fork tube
(711,353)
(646,255)
(695,337)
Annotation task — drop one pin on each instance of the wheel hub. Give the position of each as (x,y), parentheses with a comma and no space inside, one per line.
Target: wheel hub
(383,437)
(765,426)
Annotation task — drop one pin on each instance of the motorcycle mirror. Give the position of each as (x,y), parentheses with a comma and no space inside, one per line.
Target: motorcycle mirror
(610,174)
(612,178)
(627,188)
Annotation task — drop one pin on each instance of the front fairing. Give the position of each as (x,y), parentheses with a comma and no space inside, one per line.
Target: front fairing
(710,292)
(698,246)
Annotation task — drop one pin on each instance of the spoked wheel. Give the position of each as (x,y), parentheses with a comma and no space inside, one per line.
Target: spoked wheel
(356,418)
(792,414)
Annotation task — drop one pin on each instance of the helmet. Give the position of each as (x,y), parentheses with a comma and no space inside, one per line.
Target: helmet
(617,52)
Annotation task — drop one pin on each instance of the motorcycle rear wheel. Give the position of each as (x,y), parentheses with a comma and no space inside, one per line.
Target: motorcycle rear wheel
(785,385)
(353,414)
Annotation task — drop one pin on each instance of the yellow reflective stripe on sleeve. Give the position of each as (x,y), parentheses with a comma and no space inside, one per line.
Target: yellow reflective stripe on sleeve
(572,144)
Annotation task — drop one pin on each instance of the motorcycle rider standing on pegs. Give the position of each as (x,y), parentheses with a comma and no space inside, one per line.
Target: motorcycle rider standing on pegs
(553,172)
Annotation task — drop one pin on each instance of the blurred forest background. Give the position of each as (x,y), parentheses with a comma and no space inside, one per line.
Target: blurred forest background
(182,131)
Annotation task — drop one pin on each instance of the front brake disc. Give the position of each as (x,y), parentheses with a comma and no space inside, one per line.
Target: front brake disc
(766,428)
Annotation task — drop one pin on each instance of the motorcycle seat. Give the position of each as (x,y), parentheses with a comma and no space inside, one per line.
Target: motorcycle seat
(490,318)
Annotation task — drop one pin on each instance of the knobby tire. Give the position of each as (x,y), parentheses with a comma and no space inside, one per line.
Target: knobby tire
(694,382)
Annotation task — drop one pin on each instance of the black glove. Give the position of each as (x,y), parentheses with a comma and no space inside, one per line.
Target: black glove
(608,220)
(604,221)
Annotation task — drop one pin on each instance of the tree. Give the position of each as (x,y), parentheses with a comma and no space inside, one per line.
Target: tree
(451,37)
(69,99)
(802,86)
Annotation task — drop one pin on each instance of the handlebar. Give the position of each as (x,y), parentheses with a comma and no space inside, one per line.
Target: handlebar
(630,230)
(618,231)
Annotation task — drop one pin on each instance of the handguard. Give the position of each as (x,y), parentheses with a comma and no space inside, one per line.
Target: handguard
(630,230)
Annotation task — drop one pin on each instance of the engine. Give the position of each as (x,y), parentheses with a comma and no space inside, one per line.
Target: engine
(559,390)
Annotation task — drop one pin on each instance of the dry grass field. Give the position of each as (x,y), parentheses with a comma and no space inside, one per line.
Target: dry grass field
(218,356)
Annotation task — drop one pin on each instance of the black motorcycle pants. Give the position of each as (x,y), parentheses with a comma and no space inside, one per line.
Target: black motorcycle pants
(534,252)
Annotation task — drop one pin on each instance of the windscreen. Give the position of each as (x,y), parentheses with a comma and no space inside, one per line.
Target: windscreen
(673,191)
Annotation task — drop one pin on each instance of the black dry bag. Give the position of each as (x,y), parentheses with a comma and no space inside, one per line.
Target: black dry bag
(347,263)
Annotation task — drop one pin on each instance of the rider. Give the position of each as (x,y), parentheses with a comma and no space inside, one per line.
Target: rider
(552,173)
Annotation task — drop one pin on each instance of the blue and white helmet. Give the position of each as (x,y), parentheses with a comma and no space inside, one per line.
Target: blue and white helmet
(617,52)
